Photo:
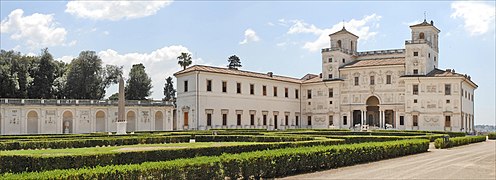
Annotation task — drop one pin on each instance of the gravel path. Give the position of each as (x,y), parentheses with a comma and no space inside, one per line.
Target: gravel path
(473,161)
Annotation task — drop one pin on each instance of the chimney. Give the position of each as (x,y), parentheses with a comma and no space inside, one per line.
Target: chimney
(453,70)
(270,74)
(432,22)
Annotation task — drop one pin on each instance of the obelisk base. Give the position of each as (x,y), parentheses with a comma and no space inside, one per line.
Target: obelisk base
(121,127)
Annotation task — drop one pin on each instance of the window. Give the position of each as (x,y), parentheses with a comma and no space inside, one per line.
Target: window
(286,120)
(402,120)
(415,71)
(415,53)
(421,35)
(344,60)
(415,101)
(472,97)
(238,88)
(356,81)
(224,86)
(388,79)
(297,119)
(297,93)
(209,85)
(331,92)
(447,89)
(239,120)
(447,101)
(415,120)
(331,121)
(330,102)
(309,94)
(275,120)
(224,119)
(345,120)
(275,91)
(447,121)
(465,94)
(462,93)
(252,89)
(330,76)
(309,103)
(435,59)
(252,119)
(209,119)
(330,60)
(429,55)
(264,118)
(339,43)
(185,86)
(372,80)
(286,93)
(309,119)
(415,89)
(264,90)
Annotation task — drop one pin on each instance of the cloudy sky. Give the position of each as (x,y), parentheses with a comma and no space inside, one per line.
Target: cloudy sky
(283,37)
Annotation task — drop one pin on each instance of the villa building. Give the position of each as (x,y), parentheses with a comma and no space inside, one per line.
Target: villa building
(386,89)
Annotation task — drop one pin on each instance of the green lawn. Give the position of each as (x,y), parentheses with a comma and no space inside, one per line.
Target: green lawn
(112,149)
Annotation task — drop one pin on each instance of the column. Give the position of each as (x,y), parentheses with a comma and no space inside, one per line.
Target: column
(380,119)
(364,121)
(383,119)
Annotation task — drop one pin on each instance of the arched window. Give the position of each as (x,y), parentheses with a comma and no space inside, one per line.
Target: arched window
(339,43)
(421,35)
(351,46)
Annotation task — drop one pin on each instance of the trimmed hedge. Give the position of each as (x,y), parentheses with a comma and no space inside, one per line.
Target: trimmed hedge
(451,134)
(457,141)
(251,165)
(78,143)
(21,163)
(361,139)
(351,133)
(491,135)
(247,138)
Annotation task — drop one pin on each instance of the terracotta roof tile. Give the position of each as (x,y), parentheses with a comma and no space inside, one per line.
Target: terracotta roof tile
(378,62)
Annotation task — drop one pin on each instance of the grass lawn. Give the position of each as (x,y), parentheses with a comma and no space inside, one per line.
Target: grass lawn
(112,149)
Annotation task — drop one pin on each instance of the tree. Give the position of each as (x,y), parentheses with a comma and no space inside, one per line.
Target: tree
(234,62)
(43,77)
(87,79)
(8,81)
(169,91)
(139,85)
(114,97)
(184,60)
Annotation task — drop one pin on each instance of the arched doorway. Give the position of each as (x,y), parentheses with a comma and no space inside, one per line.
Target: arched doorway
(357,117)
(67,122)
(372,111)
(159,121)
(32,122)
(131,121)
(100,121)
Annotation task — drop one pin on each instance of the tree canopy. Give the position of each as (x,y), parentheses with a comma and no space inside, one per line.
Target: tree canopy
(169,91)
(234,62)
(138,85)
(184,60)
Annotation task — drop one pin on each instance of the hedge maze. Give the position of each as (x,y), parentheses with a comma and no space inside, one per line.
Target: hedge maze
(213,154)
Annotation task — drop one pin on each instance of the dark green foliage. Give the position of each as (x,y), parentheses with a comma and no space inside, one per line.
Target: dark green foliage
(169,91)
(249,138)
(138,85)
(249,165)
(491,135)
(184,60)
(322,132)
(361,139)
(43,76)
(451,134)
(234,62)
(457,141)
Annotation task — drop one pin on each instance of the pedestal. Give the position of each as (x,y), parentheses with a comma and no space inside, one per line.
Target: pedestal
(121,127)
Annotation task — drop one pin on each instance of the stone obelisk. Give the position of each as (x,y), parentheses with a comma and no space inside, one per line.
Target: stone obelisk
(121,121)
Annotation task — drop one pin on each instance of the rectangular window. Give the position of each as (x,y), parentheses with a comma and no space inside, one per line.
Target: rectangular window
(185,86)
(286,120)
(309,120)
(331,121)
(286,93)
(415,71)
(252,89)
(238,88)
(330,102)
(330,76)
(415,101)
(415,53)
(224,119)
(447,101)
(275,91)
(331,92)
(252,119)
(275,120)
(239,120)
(224,86)
(372,80)
(447,89)
(345,120)
(415,120)
(447,121)
(356,81)
(264,118)
(415,89)
(297,94)
(388,79)
(209,85)
(209,119)
(402,120)
(330,60)
(297,119)
(309,94)
(264,90)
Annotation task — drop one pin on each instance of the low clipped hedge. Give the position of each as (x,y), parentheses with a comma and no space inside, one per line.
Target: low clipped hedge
(22,163)
(491,135)
(457,141)
(247,138)
(361,139)
(78,143)
(450,134)
(251,165)
(355,133)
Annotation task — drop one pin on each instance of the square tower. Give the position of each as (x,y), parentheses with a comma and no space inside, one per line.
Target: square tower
(422,52)
(342,51)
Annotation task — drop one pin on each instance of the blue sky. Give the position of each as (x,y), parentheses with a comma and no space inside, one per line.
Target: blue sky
(282,37)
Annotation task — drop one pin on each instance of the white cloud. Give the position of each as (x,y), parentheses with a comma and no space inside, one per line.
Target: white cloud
(478,17)
(66,59)
(250,36)
(115,10)
(36,30)
(361,28)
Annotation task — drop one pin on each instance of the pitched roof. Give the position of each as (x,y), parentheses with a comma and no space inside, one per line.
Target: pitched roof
(442,73)
(425,23)
(377,62)
(221,70)
(343,31)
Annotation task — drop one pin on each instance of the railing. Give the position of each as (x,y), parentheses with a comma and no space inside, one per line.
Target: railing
(419,41)
(381,52)
(346,51)
(84,102)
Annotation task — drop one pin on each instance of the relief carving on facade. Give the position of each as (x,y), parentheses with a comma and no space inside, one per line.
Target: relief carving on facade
(431,120)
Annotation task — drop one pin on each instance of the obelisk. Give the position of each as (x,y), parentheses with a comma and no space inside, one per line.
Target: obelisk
(121,121)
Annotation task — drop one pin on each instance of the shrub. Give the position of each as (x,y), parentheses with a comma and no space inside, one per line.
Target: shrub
(251,165)
(457,141)
(450,134)
(247,138)
(491,135)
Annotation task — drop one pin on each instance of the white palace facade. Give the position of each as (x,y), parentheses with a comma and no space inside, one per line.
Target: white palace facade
(400,89)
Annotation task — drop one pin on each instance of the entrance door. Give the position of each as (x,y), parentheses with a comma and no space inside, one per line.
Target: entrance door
(186,119)
(275,121)
(357,117)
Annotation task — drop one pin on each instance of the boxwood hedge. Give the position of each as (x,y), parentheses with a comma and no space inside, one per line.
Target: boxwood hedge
(457,141)
(491,135)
